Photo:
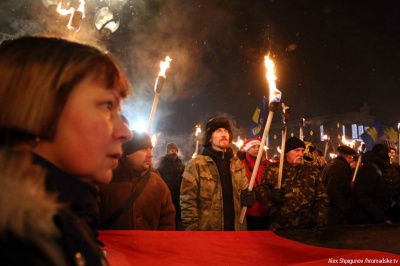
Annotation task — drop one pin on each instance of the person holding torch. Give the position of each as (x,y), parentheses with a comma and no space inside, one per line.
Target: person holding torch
(301,200)
(258,215)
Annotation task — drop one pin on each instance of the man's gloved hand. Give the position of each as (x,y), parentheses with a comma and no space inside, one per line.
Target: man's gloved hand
(247,198)
(277,195)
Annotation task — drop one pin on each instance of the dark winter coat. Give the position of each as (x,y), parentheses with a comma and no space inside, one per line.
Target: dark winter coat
(171,170)
(337,176)
(306,203)
(370,201)
(152,210)
(39,228)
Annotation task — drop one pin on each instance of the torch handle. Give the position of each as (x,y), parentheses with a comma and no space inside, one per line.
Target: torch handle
(282,157)
(356,170)
(258,160)
(197,147)
(301,135)
(326,149)
(153,112)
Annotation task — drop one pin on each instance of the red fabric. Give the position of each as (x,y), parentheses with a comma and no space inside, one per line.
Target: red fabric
(223,248)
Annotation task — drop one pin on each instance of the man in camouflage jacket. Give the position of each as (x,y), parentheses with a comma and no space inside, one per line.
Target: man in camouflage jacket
(301,202)
(214,184)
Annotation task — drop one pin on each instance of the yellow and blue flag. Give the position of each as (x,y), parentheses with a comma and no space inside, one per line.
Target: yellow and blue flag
(258,120)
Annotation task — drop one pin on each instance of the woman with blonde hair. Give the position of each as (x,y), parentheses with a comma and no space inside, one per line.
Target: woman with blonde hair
(60,136)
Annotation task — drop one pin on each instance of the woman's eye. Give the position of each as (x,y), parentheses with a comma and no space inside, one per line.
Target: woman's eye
(108,105)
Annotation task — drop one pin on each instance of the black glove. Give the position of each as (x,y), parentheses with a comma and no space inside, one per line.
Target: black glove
(277,195)
(247,198)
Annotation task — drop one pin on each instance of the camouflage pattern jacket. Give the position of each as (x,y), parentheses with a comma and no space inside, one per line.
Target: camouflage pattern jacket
(201,194)
(306,202)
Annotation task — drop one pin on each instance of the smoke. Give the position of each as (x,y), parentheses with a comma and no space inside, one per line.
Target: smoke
(198,36)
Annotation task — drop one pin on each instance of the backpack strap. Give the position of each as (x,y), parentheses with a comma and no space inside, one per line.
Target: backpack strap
(128,203)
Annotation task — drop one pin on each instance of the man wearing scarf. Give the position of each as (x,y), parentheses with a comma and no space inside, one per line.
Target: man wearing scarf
(214,186)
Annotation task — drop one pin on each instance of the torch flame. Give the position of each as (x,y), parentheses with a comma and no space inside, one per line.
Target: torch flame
(64,12)
(164,66)
(81,7)
(239,143)
(71,10)
(154,140)
(274,93)
(198,130)
(351,144)
(325,137)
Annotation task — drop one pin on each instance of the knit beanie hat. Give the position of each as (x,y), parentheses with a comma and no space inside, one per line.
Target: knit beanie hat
(172,145)
(389,144)
(250,143)
(293,143)
(139,141)
(212,125)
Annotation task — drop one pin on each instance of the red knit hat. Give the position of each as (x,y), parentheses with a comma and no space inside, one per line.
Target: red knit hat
(250,143)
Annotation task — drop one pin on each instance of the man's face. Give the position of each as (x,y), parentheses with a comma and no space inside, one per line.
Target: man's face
(173,151)
(295,157)
(220,139)
(348,157)
(141,159)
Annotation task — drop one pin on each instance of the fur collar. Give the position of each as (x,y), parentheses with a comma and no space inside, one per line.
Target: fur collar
(26,209)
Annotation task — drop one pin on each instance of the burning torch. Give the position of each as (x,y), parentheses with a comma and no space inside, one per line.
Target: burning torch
(198,131)
(76,17)
(326,139)
(274,98)
(361,152)
(286,113)
(157,89)
(302,123)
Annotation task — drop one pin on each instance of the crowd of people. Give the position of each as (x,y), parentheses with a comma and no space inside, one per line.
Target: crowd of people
(69,166)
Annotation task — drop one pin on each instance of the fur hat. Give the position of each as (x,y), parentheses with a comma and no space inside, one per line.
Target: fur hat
(250,143)
(139,141)
(172,145)
(212,125)
(343,149)
(293,143)
(390,144)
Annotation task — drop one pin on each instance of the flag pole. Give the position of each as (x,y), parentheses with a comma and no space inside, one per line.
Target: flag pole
(286,113)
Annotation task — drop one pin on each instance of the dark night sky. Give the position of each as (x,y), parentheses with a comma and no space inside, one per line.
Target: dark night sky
(331,56)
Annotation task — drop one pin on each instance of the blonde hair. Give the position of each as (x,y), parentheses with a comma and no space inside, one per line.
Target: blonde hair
(38,75)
